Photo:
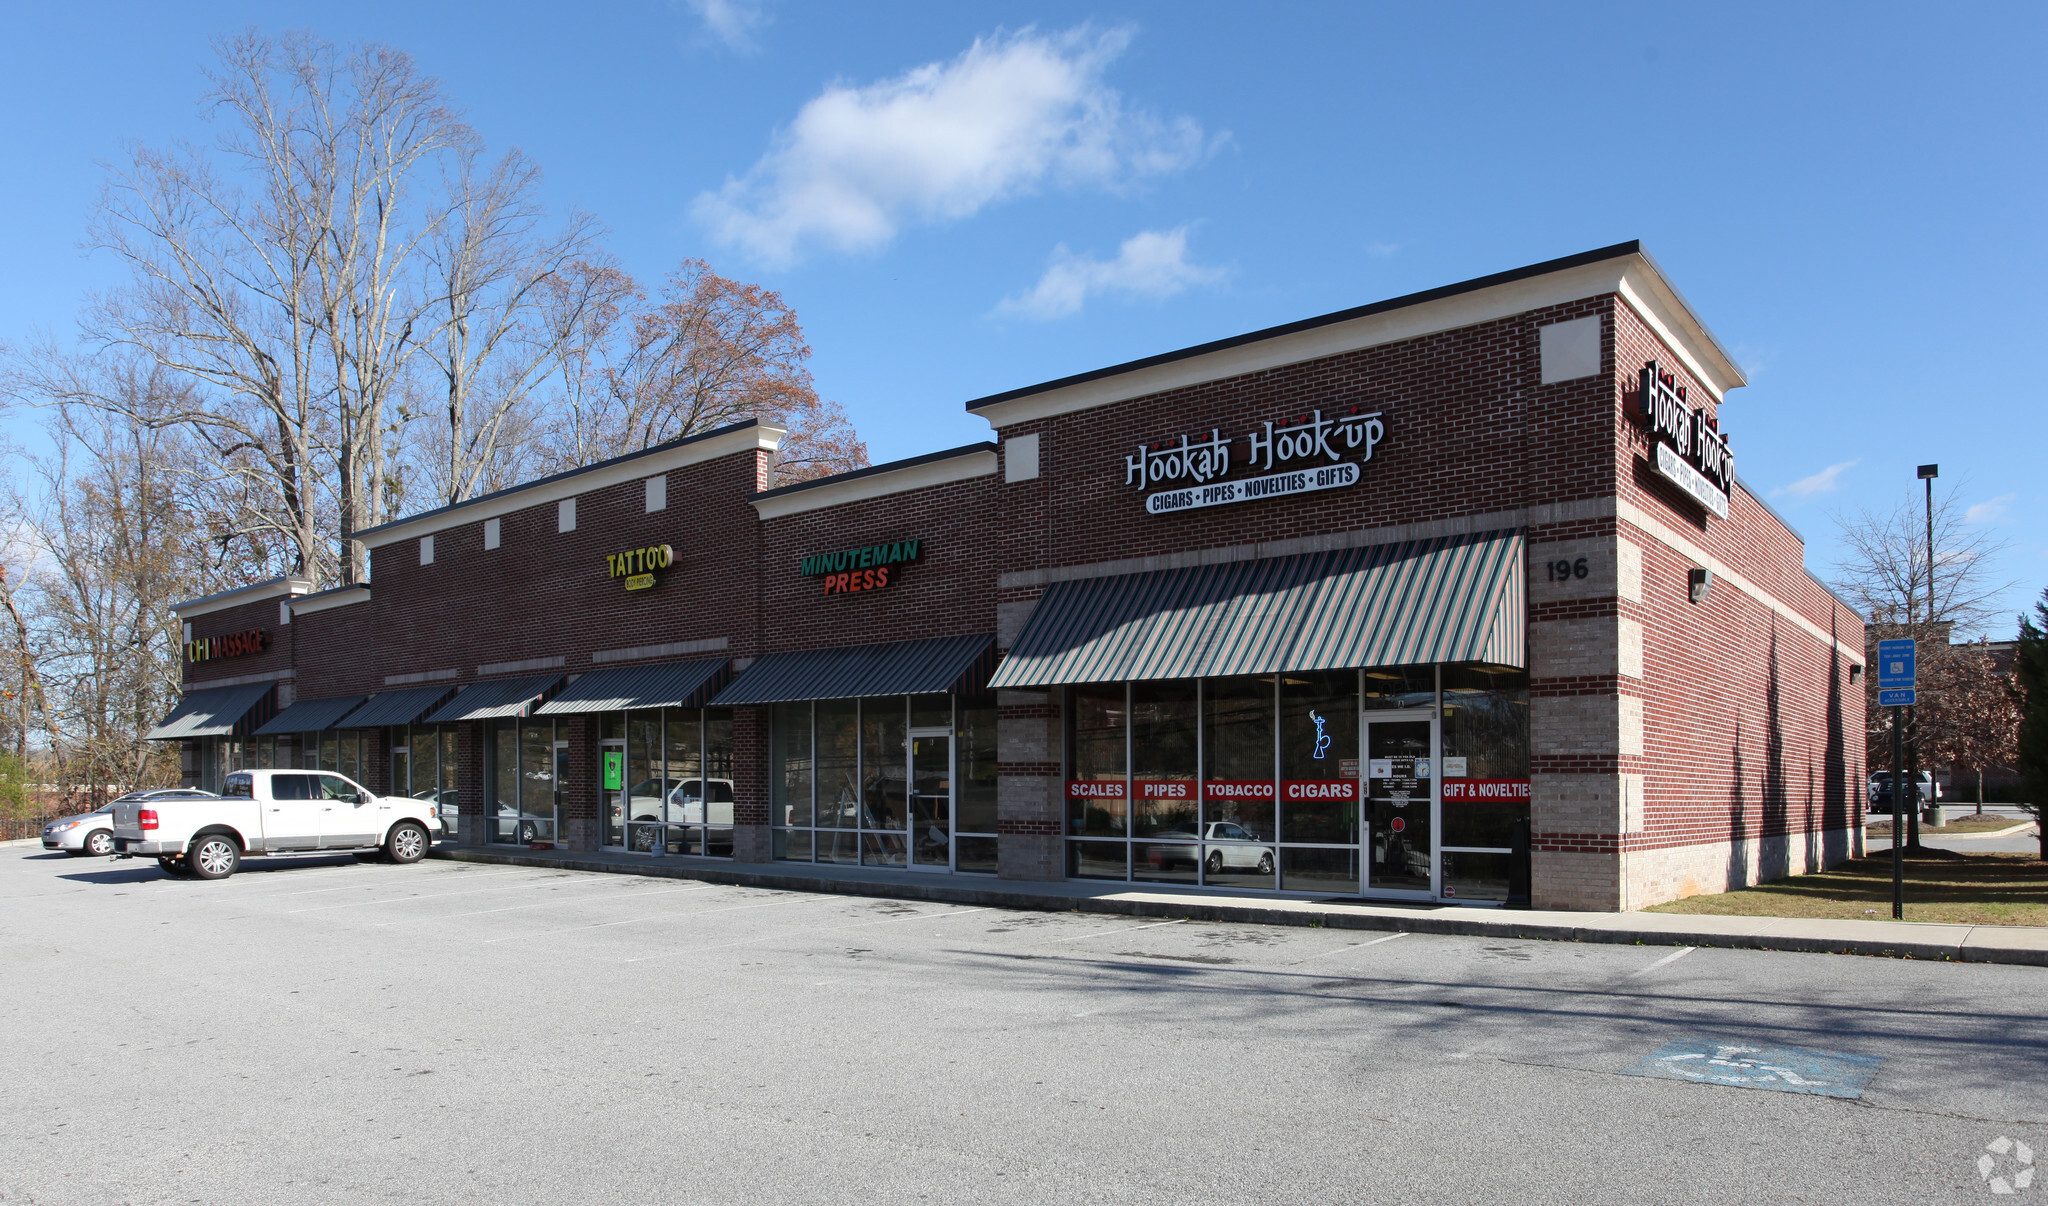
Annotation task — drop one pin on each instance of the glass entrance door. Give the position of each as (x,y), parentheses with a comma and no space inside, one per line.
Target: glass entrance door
(1400,804)
(931,801)
(611,770)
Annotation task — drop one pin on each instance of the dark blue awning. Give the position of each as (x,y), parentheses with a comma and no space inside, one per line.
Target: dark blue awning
(957,664)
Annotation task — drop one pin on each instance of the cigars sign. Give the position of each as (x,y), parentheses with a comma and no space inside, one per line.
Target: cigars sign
(1311,452)
(234,644)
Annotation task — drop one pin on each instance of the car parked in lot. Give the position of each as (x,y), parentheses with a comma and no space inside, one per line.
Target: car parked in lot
(92,833)
(1231,849)
(272,812)
(1881,790)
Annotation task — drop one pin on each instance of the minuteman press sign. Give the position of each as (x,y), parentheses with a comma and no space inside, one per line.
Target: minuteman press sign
(869,568)
(1311,449)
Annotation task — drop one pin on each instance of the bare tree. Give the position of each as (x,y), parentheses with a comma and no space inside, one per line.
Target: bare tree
(1885,574)
(286,289)
(707,352)
(116,554)
(509,304)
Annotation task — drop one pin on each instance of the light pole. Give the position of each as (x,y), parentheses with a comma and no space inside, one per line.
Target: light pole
(1927,475)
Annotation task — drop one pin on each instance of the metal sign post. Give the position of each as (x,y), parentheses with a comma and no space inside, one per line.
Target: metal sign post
(1897,678)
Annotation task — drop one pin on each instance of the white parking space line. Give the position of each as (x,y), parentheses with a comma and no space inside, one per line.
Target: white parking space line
(542,904)
(1681,952)
(331,872)
(1122,929)
(1356,946)
(352,904)
(786,933)
(577,929)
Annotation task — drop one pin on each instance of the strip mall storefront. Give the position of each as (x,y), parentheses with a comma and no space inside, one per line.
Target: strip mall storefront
(1452,597)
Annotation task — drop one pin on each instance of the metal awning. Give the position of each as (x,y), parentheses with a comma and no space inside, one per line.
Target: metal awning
(850,672)
(1447,599)
(218,712)
(312,715)
(666,685)
(398,707)
(508,697)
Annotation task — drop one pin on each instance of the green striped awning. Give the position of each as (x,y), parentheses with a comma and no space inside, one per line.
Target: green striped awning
(1447,599)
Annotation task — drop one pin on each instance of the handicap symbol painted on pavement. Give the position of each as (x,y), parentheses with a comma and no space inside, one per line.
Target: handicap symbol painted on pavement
(1743,1066)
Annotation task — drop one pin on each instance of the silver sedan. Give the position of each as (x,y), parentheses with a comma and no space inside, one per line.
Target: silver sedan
(92,833)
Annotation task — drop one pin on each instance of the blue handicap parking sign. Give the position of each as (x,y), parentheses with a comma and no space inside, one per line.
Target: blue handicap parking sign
(1900,697)
(1744,1066)
(1895,665)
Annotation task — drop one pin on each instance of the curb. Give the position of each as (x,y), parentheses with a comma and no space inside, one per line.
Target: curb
(1935,831)
(1523,926)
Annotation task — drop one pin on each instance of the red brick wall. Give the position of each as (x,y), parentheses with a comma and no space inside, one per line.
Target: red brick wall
(947,591)
(1751,727)
(543,593)
(261,614)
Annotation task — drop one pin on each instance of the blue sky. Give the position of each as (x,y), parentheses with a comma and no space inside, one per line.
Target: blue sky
(963,198)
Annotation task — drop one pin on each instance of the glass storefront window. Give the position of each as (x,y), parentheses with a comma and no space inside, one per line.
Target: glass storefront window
(640,807)
(884,813)
(1486,777)
(1097,746)
(789,754)
(503,789)
(1289,795)
(719,779)
(1238,750)
(1165,755)
(1400,687)
(1319,757)
(838,758)
(849,783)
(974,840)
(684,789)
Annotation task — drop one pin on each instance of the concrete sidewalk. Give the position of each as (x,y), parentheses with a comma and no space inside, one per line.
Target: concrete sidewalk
(1894,939)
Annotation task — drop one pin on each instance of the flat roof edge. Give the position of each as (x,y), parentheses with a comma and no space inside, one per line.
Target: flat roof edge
(255,592)
(1617,251)
(548,488)
(874,470)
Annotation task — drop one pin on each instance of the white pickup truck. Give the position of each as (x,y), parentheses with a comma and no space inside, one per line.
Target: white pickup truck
(272,812)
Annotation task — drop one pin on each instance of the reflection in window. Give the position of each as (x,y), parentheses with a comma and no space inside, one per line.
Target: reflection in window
(1164,757)
(1096,745)
(842,766)
(1319,757)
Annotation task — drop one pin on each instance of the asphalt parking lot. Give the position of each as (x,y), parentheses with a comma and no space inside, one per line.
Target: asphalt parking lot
(324,1030)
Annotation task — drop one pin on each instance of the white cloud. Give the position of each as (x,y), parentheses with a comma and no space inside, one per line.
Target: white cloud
(730,21)
(1382,250)
(1014,113)
(1823,482)
(1151,263)
(1990,511)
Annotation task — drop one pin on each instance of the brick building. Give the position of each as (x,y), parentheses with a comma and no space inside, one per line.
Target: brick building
(1454,596)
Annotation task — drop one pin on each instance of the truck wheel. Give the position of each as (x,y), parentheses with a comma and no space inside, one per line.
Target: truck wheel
(213,856)
(407,843)
(99,842)
(173,867)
